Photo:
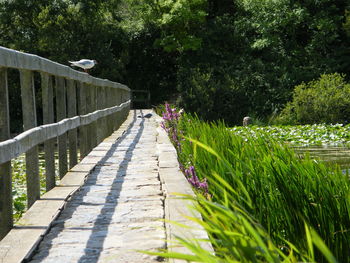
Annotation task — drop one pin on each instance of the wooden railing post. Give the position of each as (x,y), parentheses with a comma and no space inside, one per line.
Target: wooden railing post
(117,115)
(110,104)
(48,117)
(94,124)
(83,143)
(106,119)
(6,221)
(30,121)
(88,110)
(100,122)
(61,114)
(126,97)
(94,93)
(72,111)
(122,98)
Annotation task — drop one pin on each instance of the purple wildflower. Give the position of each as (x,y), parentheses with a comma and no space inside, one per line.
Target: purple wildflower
(182,168)
(204,185)
(192,170)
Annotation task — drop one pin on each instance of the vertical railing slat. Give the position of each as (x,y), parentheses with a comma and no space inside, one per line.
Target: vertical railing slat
(30,121)
(105,105)
(110,117)
(6,221)
(72,111)
(99,106)
(88,110)
(61,114)
(69,95)
(117,115)
(48,117)
(94,124)
(82,110)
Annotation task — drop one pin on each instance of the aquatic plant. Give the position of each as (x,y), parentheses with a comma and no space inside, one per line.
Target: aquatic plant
(301,135)
(19,190)
(274,187)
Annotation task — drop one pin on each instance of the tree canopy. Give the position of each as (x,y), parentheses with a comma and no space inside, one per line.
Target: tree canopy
(221,59)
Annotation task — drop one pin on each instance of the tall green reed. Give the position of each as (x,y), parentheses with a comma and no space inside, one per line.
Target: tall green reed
(234,233)
(277,188)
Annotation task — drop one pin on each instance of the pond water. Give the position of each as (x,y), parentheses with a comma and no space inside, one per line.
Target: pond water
(328,154)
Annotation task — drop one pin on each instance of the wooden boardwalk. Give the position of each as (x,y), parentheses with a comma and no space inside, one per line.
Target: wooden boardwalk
(110,204)
(120,207)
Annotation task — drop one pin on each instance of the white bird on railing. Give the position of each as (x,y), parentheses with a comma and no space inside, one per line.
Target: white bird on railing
(84,64)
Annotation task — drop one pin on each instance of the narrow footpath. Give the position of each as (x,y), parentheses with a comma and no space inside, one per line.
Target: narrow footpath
(120,208)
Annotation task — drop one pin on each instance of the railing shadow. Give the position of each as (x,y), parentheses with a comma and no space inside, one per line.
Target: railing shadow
(95,242)
(105,217)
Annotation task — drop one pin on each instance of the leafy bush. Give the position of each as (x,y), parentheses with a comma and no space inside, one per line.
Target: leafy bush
(326,100)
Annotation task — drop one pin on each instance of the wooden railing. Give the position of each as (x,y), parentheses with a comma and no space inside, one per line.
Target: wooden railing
(88,109)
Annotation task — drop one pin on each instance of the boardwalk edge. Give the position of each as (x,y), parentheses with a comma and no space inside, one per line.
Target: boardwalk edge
(177,209)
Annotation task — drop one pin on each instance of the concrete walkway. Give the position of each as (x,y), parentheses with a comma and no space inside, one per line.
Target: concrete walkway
(119,209)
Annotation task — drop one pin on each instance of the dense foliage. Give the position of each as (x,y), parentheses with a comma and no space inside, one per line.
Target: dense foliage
(219,58)
(326,100)
(255,179)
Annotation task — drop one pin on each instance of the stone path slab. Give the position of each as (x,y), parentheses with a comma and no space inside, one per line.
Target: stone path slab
(111,204)
(119,209)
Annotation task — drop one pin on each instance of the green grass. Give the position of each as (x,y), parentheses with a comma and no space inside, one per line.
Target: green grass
(270,188)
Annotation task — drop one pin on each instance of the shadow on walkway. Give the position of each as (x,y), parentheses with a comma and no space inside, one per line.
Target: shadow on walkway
(94,245)
(102,222)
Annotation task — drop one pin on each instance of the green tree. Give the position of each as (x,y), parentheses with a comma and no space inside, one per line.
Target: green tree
(254,51)
(267,47)
(66,30)
(179,21)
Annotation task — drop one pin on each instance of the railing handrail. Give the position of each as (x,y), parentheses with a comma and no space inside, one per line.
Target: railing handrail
(10,58)
(23,142)
(94,107)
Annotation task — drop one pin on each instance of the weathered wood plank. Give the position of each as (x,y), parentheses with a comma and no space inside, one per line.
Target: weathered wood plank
(14,147)
(83,131)
(28,140)
(38,219)
(15,59)
(105,105)
(48,117)
(72,111)
(6,221)
(118,115)
(18,245)
(110,104)
(30,121)
(93,135)
(100,122)
(61,114)
(89,110)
